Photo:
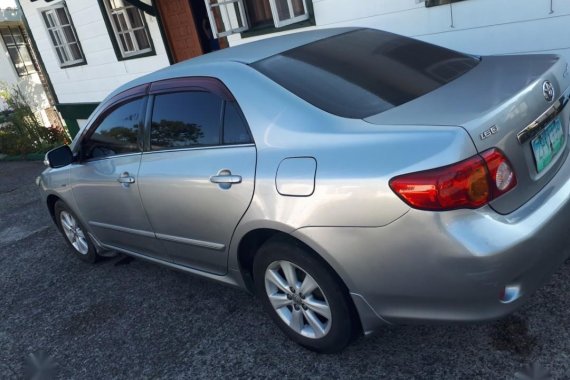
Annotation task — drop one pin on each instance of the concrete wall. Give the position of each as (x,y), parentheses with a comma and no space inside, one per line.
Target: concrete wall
(477,26)
(103,72)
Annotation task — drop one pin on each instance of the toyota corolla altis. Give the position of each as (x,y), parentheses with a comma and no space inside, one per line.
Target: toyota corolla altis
(352,178)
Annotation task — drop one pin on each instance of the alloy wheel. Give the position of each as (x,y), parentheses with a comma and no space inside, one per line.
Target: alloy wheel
(73,232)
(298,299)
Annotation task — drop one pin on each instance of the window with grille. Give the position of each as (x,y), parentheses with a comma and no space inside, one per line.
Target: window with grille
(226,17)
(129,27)
(18,50)
(286,12)
(235,16)
(62,35)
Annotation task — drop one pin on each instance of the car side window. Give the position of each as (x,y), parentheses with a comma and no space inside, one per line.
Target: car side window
(185,119)
(117,133)
(235,128)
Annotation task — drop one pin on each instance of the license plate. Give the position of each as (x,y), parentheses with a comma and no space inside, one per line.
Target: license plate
(547,144)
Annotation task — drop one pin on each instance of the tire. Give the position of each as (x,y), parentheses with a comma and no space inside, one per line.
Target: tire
(74,233)
(321,319)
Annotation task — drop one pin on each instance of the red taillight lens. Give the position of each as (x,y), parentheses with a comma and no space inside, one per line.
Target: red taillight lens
(468,184)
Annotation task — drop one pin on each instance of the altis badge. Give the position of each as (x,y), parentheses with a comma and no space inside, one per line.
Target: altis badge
(489,132)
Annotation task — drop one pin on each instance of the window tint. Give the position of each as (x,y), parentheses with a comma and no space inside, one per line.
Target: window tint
(365,72)
(117,133)
(235,129)
(185,119)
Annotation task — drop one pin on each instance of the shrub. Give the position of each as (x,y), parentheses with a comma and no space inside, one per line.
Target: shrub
(21,133)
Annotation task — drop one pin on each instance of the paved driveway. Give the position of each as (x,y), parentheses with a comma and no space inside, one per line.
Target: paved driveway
(126,318)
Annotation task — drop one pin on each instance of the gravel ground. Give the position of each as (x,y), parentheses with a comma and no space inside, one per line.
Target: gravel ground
(125,318)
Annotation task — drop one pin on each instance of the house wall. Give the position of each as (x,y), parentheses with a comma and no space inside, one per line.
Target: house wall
(103,72)
(30,85)
(7,72)
(80,88)
(478,26)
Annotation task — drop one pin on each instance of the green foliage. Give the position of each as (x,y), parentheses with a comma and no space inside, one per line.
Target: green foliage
(20,131)
(169,133)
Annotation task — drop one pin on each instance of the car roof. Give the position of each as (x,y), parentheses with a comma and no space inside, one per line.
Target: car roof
(254,51)
(246,53)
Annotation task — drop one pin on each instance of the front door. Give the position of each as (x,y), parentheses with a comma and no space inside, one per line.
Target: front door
(197,178)
(105,181)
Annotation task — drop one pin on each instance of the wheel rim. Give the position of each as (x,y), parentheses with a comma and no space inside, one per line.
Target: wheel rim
(298,299)
(73,232)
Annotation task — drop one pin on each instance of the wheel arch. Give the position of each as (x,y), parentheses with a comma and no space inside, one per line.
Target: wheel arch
(51,200)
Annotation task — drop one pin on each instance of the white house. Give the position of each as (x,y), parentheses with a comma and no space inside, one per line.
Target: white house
(89,47)
(17,64)
(479,27)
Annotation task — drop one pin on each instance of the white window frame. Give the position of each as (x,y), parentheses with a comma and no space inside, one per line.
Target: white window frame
(229,18)
(57,29)
(21,68)
(130,31)
(292,19)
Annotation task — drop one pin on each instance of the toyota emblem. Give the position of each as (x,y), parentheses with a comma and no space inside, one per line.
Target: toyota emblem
(548,91)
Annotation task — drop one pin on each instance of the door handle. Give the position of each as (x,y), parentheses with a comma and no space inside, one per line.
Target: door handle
(230,179)
(126,179)
(225,179)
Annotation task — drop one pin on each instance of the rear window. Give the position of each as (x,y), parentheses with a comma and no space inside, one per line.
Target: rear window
(365,72)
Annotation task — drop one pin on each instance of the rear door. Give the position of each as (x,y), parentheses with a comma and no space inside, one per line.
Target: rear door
(197,173)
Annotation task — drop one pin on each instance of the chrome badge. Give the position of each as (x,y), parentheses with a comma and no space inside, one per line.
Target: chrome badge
(489,132)
(548,91)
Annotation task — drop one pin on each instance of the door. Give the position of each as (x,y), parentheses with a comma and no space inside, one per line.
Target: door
(197,178)
(181,29)
(104,182)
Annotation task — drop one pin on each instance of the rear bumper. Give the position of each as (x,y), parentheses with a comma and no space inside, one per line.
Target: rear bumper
(450,266)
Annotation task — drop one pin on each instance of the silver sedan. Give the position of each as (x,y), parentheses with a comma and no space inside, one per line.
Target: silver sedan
(351,178)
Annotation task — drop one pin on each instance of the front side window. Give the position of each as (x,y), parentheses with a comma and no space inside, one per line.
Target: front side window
(62,35)
(185,120)
(117,133)
(129,28)
(18,50)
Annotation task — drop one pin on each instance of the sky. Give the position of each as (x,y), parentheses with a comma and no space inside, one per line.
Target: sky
(7,4)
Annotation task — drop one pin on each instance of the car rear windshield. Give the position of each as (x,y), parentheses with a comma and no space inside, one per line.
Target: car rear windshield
(364,72)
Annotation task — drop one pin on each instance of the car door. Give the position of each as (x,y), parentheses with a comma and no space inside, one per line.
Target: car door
(197,173)
(104,180)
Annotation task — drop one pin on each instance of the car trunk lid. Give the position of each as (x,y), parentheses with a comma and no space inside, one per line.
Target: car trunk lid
(501,103)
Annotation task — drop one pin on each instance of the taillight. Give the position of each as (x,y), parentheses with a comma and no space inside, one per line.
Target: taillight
(502,175)
(468,184)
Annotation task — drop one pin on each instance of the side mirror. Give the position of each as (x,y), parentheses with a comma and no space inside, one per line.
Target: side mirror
(59,157)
